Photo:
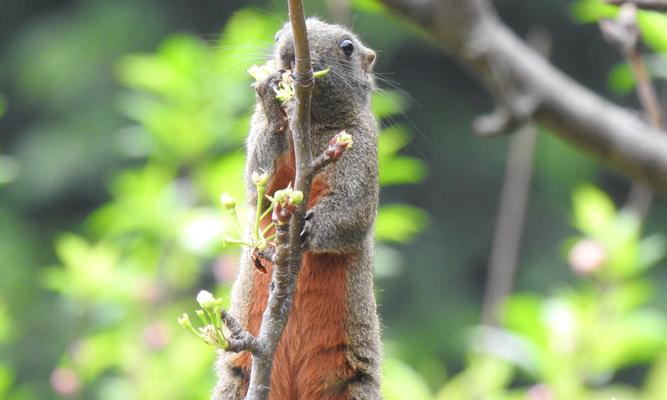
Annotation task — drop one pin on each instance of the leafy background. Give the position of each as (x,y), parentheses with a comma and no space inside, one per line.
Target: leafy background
(122,122)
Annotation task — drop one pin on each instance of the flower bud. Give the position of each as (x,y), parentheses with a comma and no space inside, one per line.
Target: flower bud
(587,256)
(281,196)
(260,179)
(184,321)
(295,197)
(227,201)
(261,72)
(205,299)
(344,139)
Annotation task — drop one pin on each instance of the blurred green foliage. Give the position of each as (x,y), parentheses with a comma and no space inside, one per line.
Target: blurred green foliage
(120,129)
(571,344)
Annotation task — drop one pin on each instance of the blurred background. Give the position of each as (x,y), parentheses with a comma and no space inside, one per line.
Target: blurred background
(122,122)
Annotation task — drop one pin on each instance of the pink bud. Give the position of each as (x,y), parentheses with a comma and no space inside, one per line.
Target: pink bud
(65,382)
(540,392)
(587,256)
(156,335)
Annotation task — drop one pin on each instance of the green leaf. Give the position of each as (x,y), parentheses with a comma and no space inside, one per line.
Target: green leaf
(394,169)
(391,140)
(656,382)
(371,6)
(617,392)
(388,103)
(9,169)
(653,26)
(399,223)
(632,339)
(652,249)
(6,380)
(484,378)
(621,80)
(401,382)
(593,210)
(522,314)
(587,11)
(401,170)
(172,72)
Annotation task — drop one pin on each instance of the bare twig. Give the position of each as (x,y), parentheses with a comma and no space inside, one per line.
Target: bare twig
(654,5)
(624,34)
(471,32)
(335,149)
(513,205)
(509,225)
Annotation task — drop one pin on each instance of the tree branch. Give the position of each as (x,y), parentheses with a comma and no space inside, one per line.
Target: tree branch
(472,33)
(623,33)
(289,245)
(512,208)
(654,5)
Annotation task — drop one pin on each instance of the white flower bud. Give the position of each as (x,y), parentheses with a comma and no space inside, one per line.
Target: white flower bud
(227,201)
(205,299)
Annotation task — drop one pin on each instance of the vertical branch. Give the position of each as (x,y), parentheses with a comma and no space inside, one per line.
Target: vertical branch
(513,205)
(640,197)
(509,225)
(300,128)
(624,34)
(289,244)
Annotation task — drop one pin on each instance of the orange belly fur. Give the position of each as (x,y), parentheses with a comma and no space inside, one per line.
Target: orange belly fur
(310,358)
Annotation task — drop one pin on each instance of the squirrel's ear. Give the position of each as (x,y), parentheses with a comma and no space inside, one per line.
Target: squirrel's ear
(368,59)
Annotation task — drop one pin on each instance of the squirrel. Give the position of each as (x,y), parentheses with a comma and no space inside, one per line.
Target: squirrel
(330,348)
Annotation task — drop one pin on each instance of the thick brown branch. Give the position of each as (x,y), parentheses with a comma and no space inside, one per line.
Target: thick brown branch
(473,34)
(655,5)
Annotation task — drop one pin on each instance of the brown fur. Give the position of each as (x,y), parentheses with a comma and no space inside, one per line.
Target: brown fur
(310,359)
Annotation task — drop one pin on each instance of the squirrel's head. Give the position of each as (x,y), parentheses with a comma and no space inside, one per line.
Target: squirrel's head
(345,90)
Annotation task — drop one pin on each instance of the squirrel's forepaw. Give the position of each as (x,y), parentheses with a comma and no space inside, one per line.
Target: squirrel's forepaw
(266,254)
(275,113)
(307,226)
(267,87)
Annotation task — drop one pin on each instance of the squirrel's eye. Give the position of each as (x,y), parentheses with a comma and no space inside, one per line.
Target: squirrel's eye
(277,37)
(347,46)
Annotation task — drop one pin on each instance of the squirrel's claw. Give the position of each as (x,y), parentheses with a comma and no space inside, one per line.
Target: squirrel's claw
(306,227)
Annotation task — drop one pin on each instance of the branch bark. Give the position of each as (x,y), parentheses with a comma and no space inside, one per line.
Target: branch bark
(472,33)
(623,33)
(289,244)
